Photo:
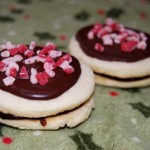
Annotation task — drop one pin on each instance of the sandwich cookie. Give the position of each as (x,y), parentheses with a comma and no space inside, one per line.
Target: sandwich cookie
(119,56)
(43,88)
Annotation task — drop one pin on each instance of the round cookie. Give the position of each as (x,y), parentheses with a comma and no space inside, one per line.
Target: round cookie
(116,62)
(69,119)
(42,82)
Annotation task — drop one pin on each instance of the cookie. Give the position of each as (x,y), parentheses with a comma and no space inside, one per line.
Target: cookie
(41,82)
(119,56)
(68,119)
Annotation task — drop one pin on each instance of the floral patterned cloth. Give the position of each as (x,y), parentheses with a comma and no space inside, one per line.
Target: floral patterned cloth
(121,118)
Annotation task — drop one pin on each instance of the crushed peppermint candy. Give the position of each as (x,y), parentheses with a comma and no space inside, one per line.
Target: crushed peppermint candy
(12,56)
(114,33)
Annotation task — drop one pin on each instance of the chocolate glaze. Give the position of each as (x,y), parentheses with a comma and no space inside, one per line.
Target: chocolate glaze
(54,88)
(111,53)
(122,79)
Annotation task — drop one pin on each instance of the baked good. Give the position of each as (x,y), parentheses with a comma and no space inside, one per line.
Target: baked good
(42,88)
(118,55)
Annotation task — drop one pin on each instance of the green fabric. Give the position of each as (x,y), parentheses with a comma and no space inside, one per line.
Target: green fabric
(121,118)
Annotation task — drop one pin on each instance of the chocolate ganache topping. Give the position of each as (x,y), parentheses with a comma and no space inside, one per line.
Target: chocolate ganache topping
(56,85)
(112,52)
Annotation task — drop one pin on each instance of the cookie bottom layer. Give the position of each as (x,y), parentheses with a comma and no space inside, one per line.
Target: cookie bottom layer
(69,119)
(106,81)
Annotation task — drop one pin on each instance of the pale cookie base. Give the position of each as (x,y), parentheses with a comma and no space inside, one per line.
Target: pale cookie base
(74,97)
(70,119)
(112,68)
(114,83)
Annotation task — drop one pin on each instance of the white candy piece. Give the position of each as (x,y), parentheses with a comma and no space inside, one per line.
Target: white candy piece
(108,29)
(9,45)
(143,37)
(142,45)
(9,80)
(30,60)
(64,65)
(33,79)
(38,51)
(13,65)
(107,40)
(5,54)
(50,73)
(109,21)
(18,57)
(90,35)
(33,71)
(27,51)
(113,35)
(8,60)
(55,53)
(49,43)
(32,45)
(41,59)
(48,66)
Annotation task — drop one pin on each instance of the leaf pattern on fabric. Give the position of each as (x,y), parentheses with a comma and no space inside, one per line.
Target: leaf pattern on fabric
(1,127)
(115,12)
(132,90)
(82,16)
(6,18)
(145,110)
(17,11)
(45,36)
(61,47)
(84,141)
(24,1)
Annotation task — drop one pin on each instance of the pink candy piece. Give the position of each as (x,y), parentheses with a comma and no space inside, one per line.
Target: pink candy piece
(48,48)
(23,73)
(5,53)
(32,45)
(42,78)
(14,51)
(29,53)
(13,72)
(69,69)
(49,66)
(51,62)
(55,53)
(99,47)
(12,64)
(128,46)
(97,27)
(22,48)
(66,57)
(101,33)
(2,66)
(9,80)
(41,58)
